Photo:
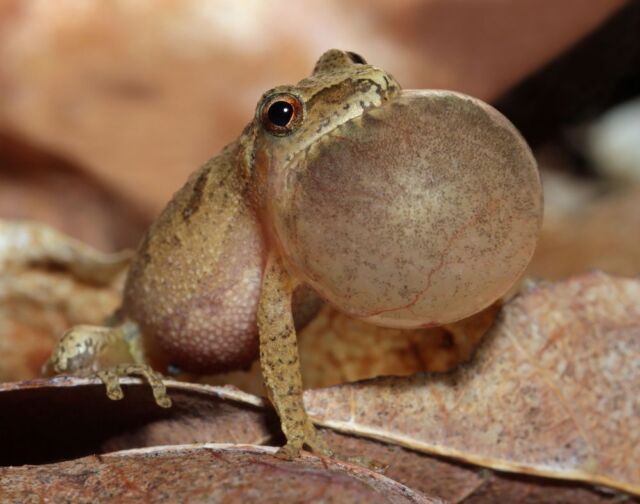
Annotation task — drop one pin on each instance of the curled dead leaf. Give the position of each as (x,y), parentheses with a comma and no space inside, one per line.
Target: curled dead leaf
(47,420)
(66,418)
(37,185)
(206,473)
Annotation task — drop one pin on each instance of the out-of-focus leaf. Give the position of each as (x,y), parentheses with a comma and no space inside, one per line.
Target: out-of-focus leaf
(598,233)
(49,282)
(208,473)
(36,185)
(65,418)
(553,391)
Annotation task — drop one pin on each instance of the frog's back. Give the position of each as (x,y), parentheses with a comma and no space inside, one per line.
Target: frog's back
(194,284)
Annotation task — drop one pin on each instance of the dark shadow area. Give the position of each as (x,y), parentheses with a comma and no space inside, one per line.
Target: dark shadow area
(599,72)
(45,424)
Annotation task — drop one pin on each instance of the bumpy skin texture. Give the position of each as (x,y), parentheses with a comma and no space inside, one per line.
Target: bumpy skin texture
(194,284)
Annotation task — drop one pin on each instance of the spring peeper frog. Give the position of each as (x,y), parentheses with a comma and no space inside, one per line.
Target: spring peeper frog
(402,208)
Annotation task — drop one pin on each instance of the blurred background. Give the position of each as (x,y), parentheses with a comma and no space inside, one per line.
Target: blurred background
(106,106)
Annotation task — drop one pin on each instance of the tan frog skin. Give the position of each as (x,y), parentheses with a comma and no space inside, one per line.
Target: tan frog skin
(222,271)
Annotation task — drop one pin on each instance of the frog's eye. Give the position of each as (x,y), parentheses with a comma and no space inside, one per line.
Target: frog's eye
(281,114)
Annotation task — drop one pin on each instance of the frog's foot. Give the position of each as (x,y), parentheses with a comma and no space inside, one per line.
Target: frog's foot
(298,438)
(316,443)
(111,378)
(314,440)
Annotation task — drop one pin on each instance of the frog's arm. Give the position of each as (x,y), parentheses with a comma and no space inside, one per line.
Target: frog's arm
(280,362)
(108,353)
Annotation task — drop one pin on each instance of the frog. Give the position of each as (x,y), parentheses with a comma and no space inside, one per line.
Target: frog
(404,208)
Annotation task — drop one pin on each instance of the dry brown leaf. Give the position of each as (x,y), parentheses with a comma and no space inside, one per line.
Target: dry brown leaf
(551,392)
(208,473)
(51,420)
(466,484)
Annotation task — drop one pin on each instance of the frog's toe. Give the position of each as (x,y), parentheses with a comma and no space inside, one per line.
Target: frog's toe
(316,443)
(311,438)
(289,451)
(111,378)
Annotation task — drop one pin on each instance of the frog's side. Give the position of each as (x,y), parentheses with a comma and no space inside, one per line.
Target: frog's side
(208,274)
(194,283)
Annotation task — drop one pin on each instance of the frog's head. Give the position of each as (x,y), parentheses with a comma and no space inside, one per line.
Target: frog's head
(405,208)
(341,87)
(291,118)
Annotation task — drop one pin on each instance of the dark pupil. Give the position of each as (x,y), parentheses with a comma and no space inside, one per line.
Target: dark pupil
(280,113)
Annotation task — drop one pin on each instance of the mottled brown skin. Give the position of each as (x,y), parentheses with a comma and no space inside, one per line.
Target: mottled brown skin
(405,209)
(194,284)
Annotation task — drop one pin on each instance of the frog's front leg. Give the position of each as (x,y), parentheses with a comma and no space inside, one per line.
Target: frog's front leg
(109,353)
(280,363)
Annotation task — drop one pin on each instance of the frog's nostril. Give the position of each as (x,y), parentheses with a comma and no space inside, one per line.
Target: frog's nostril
(356,58)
